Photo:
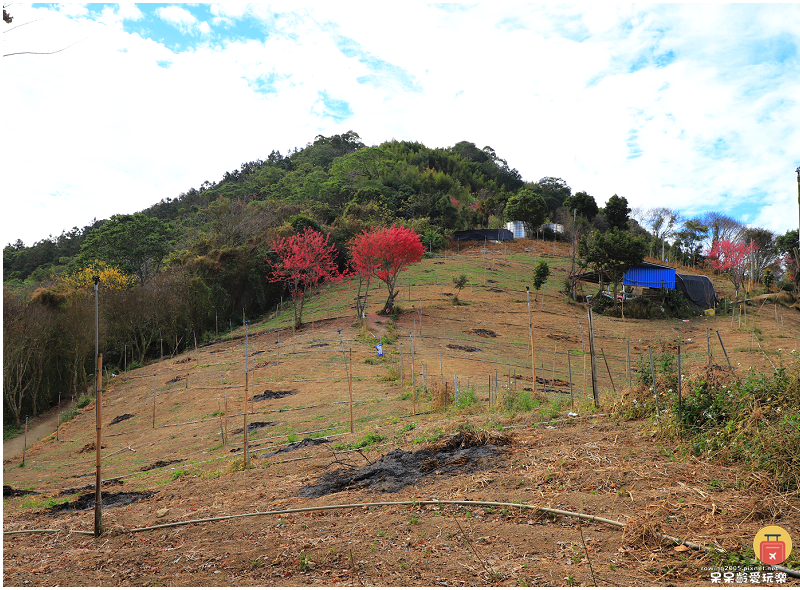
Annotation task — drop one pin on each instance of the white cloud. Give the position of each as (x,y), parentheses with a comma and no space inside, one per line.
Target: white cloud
(180,18)
(97,130)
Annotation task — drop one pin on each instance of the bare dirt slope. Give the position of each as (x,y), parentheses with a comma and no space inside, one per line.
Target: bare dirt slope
(176,455)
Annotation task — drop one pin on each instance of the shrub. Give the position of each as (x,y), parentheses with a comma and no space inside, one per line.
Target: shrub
(755,421)
(466,399)
(521,401)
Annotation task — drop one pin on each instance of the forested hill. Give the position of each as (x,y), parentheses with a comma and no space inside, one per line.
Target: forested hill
(179,268)
(334,180)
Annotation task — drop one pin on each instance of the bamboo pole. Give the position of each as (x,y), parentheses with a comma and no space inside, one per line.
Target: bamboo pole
(628,361)
(25,441)
(583,351)
(653,377)
(225,401)
(589,517)
(413,377)
(400,355)
(569,368)
(98,497)
(605,360)
(680,402)
(530,335)
(350,387)
(730,366)
(595,392)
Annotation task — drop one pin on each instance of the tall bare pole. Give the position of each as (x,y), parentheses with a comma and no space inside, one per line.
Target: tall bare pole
(595,392)
(797,249)
(246,391)
(350,387)
(530,335)
(98,499)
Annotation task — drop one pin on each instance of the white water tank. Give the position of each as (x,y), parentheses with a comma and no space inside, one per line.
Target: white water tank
(517,228)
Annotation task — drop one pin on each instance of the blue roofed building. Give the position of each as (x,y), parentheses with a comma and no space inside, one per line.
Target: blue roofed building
(649,274)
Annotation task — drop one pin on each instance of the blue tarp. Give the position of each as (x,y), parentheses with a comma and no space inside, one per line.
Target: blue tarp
(654,276)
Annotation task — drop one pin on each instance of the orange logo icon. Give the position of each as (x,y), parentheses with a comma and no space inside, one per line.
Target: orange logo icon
(772,545)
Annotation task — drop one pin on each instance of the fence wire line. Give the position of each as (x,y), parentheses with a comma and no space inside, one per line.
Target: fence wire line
(292,342)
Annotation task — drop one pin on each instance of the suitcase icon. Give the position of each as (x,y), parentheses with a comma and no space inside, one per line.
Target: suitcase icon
(772,552)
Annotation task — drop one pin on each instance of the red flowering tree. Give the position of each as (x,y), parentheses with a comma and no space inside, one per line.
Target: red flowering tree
(364,261)
(305,260)
(732,258)
(382,253)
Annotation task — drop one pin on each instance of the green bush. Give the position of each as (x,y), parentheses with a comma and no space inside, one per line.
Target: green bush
(466,399)
(519,401)
(755,421)
(83,401)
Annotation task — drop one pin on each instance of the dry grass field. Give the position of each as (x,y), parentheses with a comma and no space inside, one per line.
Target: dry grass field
(173,448)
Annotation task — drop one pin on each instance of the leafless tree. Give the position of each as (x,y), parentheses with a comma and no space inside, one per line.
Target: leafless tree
(721,227)
(27,329)
(662,221)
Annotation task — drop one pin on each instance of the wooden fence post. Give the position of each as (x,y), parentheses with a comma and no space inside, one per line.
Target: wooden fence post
(350,387)
(530,334)
(98,497)
(595,392)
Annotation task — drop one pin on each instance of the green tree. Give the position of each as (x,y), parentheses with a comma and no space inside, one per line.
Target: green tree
(616,211)
(528,207)
(459,282)
(540,274)
(785,244)
(612,254)
(584,203)
(136,243)
(555,192)
(691,237)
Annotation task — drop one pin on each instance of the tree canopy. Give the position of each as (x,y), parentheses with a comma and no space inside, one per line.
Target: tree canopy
(616,212)
(136,243)
(612,253)
(528,207)
(583,203)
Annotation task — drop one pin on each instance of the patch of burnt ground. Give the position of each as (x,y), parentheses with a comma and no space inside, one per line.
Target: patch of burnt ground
(120,418)
(306,442)
(464,452)
(110,500)
(70,491)
(270,394)
(11,492)
(464,348)
(254,426)
(483,332)
(162,463)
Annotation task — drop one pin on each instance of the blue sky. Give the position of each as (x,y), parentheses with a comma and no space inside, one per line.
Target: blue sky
(694,107)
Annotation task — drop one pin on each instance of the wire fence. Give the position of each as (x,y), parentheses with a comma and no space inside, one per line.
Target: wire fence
(416,359)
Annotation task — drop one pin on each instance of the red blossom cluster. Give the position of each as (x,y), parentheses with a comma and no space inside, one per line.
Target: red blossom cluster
(382,253)
(305,260)
(731,257)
